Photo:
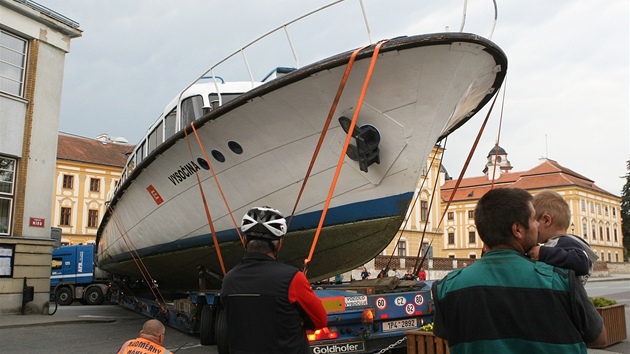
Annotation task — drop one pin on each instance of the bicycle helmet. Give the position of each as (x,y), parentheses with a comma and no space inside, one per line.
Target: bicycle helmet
(264,222)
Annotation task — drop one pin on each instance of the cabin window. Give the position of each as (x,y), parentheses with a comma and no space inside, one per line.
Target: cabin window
(235,147)
(13,54)
(192,109)
(95,185)
(218,155)
(225,98)
(156,138)
(92,218)
(140,154)
(131,166)
(170,124)
(65,216)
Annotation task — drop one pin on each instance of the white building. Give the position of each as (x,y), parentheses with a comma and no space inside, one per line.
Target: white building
(33,43)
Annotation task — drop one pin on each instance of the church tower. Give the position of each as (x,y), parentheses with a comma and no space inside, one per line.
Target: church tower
(497,163)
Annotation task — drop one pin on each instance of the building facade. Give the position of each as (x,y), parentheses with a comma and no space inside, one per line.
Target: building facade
(595,213)
(86,173)
(33,44)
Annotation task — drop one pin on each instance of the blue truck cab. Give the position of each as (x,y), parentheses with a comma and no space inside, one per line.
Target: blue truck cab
(75,277)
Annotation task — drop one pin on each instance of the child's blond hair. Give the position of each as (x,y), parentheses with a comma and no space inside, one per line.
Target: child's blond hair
(552,203)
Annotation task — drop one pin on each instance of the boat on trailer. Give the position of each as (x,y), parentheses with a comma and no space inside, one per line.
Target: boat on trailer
(222,147)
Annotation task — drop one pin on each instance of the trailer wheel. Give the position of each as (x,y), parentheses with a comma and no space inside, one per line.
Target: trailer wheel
(206,327)
(64,296)
(94,296)
(221,332)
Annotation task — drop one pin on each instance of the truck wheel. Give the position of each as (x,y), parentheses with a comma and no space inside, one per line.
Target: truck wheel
(94,296)
(221,332)
(206,327)
(64,296)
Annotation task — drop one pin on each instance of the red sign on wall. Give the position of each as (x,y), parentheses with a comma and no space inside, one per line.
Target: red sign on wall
(36,222)
(154,193)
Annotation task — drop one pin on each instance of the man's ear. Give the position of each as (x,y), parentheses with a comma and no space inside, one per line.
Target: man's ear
(518,231)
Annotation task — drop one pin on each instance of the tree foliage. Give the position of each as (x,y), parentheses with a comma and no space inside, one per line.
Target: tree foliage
(625,213)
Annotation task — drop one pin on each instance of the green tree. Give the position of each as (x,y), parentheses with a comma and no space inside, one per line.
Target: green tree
(625,213)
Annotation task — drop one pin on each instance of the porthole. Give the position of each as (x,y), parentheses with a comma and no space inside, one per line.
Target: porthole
(218,156)
(203,164)
(235,147)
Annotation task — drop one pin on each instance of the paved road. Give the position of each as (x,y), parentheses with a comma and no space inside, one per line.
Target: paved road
(102,329)
(86,329)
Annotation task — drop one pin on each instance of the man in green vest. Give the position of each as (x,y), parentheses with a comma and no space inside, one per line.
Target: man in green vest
(507,303)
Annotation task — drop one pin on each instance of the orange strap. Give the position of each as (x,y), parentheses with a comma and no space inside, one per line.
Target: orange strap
(470,154)
(496,151)
(205,203)
(342,156)
(157,295)
(333,107)
(227,205)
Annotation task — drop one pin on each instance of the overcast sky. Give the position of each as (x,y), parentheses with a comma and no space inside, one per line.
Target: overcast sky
(567,92)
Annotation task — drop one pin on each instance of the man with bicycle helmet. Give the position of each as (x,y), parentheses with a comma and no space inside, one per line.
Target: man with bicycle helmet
(269,304)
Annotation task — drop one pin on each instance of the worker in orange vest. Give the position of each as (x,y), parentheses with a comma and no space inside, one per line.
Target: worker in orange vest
(149,341)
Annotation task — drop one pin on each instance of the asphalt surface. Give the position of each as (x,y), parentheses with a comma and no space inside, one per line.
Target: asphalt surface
(74,317)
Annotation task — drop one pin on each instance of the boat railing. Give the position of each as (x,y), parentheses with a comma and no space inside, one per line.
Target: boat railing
(361,21)
(352,24)
(242,51)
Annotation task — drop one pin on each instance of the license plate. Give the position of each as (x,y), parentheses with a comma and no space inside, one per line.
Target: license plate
(392,326)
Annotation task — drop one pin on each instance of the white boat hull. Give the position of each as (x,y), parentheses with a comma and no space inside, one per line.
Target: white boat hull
(422,88)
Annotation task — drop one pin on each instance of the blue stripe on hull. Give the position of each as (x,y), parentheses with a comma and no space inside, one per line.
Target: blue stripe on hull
(373,209)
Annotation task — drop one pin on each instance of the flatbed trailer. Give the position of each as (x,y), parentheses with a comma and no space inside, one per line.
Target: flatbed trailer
(364,316)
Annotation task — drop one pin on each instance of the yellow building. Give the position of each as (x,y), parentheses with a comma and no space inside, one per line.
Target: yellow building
(424,214)
(596,213)
(87,171)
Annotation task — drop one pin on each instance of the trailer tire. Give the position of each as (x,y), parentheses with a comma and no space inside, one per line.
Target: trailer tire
(221,333)
(64,296)
(206,327)
(93,296)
